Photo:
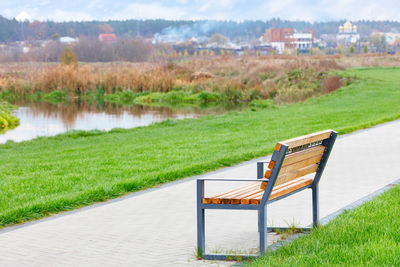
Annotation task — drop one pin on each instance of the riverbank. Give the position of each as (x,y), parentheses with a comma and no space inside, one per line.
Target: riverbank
(228,79)
(79,168)
(7,119)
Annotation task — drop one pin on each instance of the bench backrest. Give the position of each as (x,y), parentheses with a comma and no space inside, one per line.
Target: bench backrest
(298,157)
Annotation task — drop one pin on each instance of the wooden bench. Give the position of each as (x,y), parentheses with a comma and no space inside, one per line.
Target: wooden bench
(288,172)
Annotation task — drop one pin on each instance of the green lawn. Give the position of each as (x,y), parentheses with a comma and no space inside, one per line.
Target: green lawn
(366,236)
(49,175)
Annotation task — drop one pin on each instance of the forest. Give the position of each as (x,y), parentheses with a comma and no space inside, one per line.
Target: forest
(12,30)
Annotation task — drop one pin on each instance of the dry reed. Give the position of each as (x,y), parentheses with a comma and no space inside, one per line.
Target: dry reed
(265,76)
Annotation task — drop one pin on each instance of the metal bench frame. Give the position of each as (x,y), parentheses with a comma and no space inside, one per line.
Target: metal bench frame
(278,157)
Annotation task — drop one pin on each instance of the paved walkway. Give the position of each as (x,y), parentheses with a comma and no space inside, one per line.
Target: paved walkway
(155,227)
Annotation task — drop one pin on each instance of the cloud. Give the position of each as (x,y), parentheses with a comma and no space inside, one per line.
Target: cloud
(150,11)
(61,15)
(238,10)
(23,16)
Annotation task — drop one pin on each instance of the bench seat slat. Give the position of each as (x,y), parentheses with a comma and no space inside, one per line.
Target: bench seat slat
(226,199)
(208,200)
(298,184)
(253,195)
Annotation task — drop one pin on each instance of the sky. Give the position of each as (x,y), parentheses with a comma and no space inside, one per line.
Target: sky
(308,10)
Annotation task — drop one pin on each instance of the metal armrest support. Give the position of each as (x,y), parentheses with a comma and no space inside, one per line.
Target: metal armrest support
(260,169)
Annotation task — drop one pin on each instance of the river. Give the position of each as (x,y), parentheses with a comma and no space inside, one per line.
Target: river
(46,119)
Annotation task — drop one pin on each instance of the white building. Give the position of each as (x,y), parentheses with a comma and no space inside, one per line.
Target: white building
(302,41)
(347,33)
(278,47)
(68,40)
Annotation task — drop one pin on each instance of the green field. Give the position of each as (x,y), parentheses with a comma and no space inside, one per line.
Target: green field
(367,236)
(49,175)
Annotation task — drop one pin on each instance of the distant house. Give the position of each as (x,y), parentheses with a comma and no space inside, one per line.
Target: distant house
(286,38)
(107,37)
(391,37)
(302,41)
(67,40)
(278,38)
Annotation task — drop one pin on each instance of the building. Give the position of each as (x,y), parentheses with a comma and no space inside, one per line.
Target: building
(347,33)
(67,40)
(107,37)
(278,38)
(302,41)
(279,35)
(391,38)
(287,39)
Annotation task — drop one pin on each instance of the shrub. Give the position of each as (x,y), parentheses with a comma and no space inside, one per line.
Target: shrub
(68,57)
(332,83)
(208,97)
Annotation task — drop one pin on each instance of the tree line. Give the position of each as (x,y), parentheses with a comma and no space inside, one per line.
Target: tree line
(12,30)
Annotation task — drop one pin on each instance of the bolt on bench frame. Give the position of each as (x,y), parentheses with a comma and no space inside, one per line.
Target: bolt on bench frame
(278,157)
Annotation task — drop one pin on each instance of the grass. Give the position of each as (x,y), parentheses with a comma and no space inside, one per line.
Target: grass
(228,79)
(49,175)
(283,79)
(366,236)
(7,119)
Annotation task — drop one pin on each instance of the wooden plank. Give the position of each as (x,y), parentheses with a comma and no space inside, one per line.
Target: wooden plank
(295,166)
(278,147)
(301,164)
(246,200)
(306,139)
(302,155)
(281,185)
(254,200)
(284,189)
(271,164)
(293,187)
(226,199)
(297,157)
(293,175)
(207,200)
(238,199)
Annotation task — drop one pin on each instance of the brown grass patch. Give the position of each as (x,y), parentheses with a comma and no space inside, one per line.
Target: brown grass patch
(287,78)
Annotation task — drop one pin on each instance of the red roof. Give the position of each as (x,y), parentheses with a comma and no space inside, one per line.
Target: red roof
(108,37)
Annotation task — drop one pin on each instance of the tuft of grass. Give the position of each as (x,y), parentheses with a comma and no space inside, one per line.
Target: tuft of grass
(80,168)
(366,236)
(262,103)
(55,97)
(7,119)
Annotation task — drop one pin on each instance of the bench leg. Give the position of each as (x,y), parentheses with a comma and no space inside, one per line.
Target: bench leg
(200,220)
(315,205)
(262,228)
(200,232)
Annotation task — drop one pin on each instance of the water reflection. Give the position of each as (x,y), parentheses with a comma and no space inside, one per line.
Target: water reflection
(46,119)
